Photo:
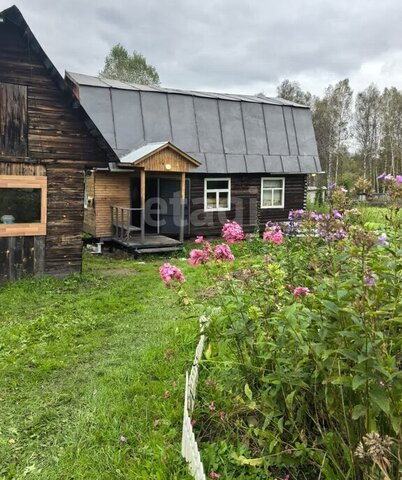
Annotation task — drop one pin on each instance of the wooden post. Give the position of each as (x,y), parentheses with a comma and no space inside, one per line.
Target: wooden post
(182,204)
(142,187)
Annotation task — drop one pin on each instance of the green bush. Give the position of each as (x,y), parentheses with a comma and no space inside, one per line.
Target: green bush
(302,374)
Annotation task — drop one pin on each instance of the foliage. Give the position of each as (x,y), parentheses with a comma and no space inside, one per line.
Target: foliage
(360,136)
(292,91)
(302,375)
(362,185)
(134,68)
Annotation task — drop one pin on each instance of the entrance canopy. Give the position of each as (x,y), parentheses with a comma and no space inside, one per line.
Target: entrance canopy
(159,157)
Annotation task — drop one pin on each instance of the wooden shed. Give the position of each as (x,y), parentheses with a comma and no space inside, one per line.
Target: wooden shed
(47,141)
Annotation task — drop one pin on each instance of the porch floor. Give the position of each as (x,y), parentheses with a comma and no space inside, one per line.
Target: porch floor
(150,242)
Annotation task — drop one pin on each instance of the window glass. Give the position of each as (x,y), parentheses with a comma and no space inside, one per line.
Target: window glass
(211,200)
(217,184)
(223,200)
(217,194)
(20,205)
(272,192)
(277,200)
(272,183)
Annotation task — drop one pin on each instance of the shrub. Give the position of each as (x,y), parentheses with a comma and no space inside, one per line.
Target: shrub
(303,368)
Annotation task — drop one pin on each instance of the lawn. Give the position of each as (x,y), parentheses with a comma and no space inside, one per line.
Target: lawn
(91,373)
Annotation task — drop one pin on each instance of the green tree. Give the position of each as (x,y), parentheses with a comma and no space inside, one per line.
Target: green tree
(134,68)
(367,130)
(293,92)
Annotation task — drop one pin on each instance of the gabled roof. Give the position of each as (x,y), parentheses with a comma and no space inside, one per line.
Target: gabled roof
(226,133)
(13,15)
(140,154)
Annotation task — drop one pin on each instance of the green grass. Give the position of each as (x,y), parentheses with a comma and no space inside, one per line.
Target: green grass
(86,359)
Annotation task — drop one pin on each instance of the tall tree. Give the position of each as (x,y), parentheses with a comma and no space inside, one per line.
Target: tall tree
(367,130)
(292,91)
(134,68)
(339,98)
(391,138)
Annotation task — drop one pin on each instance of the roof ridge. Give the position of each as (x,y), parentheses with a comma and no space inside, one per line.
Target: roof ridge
(104,82)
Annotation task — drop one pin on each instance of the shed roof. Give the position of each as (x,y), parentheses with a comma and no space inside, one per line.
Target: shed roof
(226,133)
(139,154)
(13,15)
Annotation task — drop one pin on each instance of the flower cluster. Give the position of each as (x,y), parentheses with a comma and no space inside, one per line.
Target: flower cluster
(393,186)
(273,236)
(232,232)
(169,273)
(298,291)
(219,253)
(223,253)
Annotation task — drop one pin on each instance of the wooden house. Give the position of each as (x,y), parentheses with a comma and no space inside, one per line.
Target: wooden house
(188,161)
(47,141)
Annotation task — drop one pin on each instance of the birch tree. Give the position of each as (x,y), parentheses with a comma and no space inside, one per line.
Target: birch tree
(367,130)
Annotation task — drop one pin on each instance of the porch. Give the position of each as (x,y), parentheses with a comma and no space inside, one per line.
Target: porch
(130,236)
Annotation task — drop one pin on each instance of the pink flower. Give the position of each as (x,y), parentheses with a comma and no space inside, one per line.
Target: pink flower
(214,475)
(223,253)
(232,232)
(275,237)
(212,407)
(197,257)
(199,239)
(169,273)
(222,415)
(398,179)
(300,292)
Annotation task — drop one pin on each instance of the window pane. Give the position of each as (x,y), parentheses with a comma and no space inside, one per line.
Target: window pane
(267,183)
(223,200)
(277,197)
(267,198)
(211,200)
(20,205)
(218,184)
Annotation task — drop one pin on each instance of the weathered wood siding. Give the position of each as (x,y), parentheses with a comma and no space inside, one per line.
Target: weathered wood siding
(13,120)
(58,139)
(245,203)
(110,189)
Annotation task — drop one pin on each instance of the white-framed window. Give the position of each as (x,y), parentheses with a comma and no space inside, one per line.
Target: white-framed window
(272,192)
(216,194)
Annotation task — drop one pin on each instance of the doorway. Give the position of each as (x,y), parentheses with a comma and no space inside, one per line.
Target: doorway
(162,207)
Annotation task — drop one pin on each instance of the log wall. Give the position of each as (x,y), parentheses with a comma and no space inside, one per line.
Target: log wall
(245,203)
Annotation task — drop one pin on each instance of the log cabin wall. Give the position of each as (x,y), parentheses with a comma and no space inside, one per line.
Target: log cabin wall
(60,145)
(245,203)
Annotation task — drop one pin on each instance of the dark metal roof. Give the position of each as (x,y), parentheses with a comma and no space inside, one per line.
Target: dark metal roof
(227,133)
(13,15)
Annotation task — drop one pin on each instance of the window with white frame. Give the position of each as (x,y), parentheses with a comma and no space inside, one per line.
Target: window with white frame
(216,194)
(272,192)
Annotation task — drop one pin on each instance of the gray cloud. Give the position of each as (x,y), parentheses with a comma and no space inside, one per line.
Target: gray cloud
(227,44)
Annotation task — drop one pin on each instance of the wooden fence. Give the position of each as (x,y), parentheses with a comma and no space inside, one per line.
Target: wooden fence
(189,446)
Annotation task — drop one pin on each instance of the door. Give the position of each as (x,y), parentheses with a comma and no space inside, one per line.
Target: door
(169,206)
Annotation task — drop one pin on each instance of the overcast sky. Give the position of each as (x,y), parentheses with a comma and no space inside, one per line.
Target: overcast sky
(244,46)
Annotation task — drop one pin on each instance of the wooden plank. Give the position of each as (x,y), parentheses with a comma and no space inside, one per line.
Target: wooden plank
(39,256)
(13,120)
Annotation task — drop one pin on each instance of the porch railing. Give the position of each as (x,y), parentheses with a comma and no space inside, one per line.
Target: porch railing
(122,225)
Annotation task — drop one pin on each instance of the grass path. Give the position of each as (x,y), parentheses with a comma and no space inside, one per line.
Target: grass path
(86,361)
